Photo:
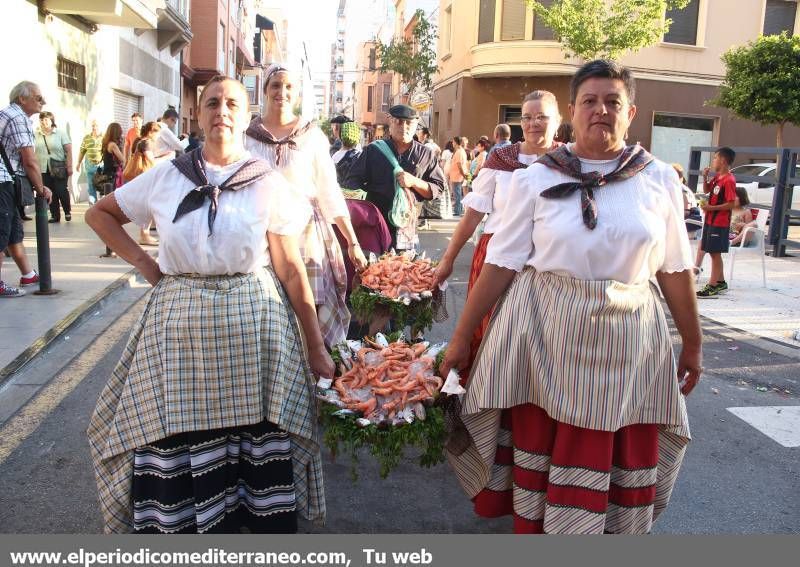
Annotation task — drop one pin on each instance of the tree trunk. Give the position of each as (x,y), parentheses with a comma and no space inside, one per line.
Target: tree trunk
(779,140)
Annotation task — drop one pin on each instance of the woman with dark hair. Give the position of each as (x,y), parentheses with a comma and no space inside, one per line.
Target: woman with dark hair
(113,158)
(54,151)
(208,422)
(300,151)
(579,349)
(741,217)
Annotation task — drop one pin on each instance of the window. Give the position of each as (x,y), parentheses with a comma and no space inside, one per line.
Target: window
(232,60)
(386,99)
(779,16)
(486,21)
(221,49)
(71,75)
(684,24)
(371,58)
(512,25)
(370,98)
(251,84)
(540,31)
(512,115)
(447,28)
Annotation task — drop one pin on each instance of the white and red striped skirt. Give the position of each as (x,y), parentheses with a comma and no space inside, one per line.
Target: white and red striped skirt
(574,416)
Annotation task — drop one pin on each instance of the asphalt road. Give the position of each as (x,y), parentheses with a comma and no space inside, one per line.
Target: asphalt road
(735,479)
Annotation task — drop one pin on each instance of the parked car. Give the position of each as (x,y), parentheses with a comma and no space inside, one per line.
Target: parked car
(762,193)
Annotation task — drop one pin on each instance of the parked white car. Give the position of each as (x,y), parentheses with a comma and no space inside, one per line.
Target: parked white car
(762,193)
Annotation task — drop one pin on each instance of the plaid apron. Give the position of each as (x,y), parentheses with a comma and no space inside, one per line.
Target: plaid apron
(208,352)
(327,276)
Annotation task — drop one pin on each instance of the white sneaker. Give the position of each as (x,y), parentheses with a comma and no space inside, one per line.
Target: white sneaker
(10,291)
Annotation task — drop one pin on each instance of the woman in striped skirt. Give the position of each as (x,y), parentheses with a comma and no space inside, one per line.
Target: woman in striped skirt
(208,421)
(489,195)
(300,151)
(578,348)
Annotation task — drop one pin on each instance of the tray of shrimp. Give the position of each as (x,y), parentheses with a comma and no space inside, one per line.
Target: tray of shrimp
(402,276)
(385,383)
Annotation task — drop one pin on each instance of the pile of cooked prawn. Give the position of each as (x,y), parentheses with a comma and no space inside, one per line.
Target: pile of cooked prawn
(397,275)
(387,383)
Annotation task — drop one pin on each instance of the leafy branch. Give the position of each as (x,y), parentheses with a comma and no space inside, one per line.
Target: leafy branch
(415,59)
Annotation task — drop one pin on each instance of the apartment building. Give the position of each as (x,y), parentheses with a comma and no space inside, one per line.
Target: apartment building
(96,60)
(375,97)
(225,30)
(493,52)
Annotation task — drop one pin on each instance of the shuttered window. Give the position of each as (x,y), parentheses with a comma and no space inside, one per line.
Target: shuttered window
(513,20)
(540,31)
(125,104)
(370,98)
(779,17)
(684,24)
(486,21)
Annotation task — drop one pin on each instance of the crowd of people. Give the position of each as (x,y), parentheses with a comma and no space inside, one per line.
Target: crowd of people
(574,417)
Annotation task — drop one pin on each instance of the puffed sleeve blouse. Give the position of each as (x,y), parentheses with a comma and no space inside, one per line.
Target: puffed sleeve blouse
(490,193)
(640,229)
(238,244)
(309,168)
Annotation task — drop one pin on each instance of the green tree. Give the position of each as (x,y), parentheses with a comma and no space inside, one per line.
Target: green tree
(414,60)
(762,82)
(596,28)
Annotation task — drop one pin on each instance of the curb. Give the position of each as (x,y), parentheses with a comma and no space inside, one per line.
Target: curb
(73,319)
(762,343)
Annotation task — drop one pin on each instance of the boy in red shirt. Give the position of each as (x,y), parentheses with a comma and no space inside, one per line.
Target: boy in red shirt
(721,191)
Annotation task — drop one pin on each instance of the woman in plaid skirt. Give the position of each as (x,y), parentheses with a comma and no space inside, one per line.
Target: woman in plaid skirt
(298,149)
(207,423)
(578,348)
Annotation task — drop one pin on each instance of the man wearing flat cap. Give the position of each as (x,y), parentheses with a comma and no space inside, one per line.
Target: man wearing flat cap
(373,172)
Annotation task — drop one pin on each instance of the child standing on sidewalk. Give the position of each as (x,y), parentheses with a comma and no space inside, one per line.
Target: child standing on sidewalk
(721,191)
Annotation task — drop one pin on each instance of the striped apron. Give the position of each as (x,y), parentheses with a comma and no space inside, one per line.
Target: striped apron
(208,353)
(587,370)
(327,276)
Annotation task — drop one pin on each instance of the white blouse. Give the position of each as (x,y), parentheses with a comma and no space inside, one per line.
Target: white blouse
(640,228)
(309,168)
(238,244)
(490,193)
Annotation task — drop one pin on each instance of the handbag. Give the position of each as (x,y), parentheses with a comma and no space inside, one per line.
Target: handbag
(56,168)
(23,189)
(401,213)
(103,182)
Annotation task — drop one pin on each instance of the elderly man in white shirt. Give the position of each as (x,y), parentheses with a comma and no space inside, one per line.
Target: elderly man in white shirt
(167,143)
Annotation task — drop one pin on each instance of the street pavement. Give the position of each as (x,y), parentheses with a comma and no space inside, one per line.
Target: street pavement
(740,474)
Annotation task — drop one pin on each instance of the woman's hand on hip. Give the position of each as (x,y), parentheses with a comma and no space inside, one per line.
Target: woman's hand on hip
(321,362)
(690,367)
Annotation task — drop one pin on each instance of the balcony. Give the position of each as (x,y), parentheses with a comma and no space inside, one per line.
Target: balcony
(519,58)
(173,26)
(141,14)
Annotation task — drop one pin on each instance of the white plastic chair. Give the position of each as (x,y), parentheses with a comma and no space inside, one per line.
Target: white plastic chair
(753,241)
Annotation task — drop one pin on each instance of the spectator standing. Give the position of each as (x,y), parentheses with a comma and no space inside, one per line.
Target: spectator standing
(502,137)
(54,152)
(721,191)
(691,211)
(167,143)
(133,132)
(375,173)
(477,161)
(16,139)
(424,135)
(351,149)
(113,159)
(564,134)
(194,142)
(140,161)
(91,156)
(458,173)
